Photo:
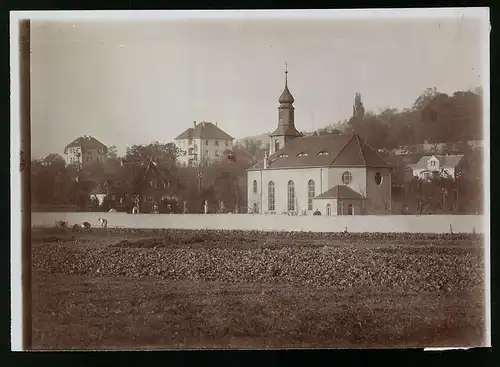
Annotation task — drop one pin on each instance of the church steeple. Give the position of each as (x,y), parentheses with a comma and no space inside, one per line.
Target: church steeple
(286,113)
(286,96)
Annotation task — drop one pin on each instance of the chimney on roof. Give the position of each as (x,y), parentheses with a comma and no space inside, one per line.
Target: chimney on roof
(194,123)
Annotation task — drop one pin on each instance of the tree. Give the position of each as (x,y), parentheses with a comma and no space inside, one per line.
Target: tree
(422,100)
(112,152)
(358,113)
(148,172)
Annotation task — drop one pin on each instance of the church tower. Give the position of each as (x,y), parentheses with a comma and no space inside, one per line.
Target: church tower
(286,130)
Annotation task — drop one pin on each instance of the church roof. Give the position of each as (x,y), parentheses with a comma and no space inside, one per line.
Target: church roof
(204,130)
(324,151)
(340,192)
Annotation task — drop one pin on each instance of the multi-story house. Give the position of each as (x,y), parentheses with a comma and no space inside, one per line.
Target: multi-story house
(437,166)
(85,150)
(204,142)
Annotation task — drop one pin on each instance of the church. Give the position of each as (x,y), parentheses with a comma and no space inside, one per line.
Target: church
(329,174)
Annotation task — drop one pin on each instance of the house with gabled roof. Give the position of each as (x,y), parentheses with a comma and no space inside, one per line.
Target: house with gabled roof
(205,142)
(85,150)
(437,166)
(334,174)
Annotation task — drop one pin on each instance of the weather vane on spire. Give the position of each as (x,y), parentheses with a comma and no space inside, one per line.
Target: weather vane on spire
(286,72)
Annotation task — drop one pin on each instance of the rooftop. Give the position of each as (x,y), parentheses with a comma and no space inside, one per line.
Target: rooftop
(340,192)
(449,161)
(85,143)
(324,151)
(204,130)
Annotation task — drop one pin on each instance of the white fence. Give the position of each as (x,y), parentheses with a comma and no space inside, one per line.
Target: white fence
(364,223)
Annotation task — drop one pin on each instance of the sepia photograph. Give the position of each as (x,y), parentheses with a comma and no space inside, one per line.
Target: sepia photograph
(260,179)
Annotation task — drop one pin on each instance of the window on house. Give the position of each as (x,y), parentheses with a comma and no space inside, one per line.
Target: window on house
(328,209)
(378,178)
(216,153)
(310,194)
(254,186)
(190,141)
(227,143)
(347,178)
(427,175)
(216,143)
(206,153)
(206,142)
(276,145)
(302,155)
(350,210)
(323,153)
(270,196)
(291,195)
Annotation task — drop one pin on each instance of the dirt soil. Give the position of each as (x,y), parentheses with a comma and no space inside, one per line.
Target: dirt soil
(373,292)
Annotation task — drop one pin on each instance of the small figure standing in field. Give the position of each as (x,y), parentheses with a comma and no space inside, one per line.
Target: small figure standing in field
(185,208)
(205,207)
(104,222)
(135,210)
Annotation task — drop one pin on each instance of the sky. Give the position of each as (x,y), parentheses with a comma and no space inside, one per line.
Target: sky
(135,82)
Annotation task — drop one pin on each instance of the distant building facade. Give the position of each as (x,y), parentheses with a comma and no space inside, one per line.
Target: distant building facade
(52,159)
(85,150)
(204,142)
(334,174)
(430,166)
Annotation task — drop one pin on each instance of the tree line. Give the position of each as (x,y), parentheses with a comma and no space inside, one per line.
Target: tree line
(434,117)
(148,177)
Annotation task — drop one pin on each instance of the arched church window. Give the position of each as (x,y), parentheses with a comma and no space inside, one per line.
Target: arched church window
(254,186)
(347,178)
(310,194)
(291,195)
(270,196)
(276,145)
(328,209)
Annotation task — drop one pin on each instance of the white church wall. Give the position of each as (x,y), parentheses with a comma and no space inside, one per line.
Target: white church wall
(358,175)
(280,177)
(378,196)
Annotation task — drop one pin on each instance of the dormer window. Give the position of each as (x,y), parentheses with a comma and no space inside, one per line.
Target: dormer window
(302,155)
(283,156)
(323,153)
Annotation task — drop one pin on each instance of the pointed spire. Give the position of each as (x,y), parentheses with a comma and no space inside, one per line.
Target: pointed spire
(286,96)
(286,74)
